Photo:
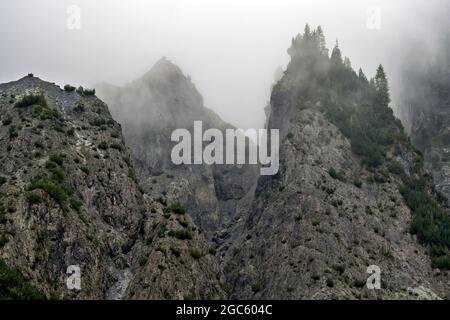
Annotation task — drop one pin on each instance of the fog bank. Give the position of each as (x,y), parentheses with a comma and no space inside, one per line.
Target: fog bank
(230,48)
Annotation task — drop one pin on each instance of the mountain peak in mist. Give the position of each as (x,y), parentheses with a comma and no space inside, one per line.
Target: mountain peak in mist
(164,93)
(163,69)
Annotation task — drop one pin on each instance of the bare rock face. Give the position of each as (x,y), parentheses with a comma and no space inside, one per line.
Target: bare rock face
(174,260)
(429,133)
(150,109)
(69,196)
(312,236)
(72,199)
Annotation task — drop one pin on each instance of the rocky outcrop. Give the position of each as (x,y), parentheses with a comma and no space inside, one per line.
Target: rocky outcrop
(174,261)
(69,196)
(312,236)
(331,212)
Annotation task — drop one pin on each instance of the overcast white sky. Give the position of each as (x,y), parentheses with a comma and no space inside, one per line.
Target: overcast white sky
(230,48)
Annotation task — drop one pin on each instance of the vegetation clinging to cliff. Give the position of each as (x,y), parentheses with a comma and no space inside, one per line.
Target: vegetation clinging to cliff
(360,109)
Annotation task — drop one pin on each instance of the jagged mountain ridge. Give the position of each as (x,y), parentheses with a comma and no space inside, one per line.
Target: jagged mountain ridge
(311,231)
(150,109)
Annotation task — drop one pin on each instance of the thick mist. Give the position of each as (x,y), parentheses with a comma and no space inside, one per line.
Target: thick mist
(231,49)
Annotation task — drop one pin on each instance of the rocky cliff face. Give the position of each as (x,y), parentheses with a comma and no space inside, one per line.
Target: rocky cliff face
(69,196)
(150,109)
(312,236)
(331,212)
(174,261)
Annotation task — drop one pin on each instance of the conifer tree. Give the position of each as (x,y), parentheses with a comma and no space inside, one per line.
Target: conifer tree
(362,76)
(347,63)
(382,87)
(321,41)
(307,33)
(336,55)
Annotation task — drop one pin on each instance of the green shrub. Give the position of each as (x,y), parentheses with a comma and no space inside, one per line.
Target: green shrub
(103,145)
(79,108)
(212,251)
(162,201)
(69,88)
(30,100)
(196,254)
(70,132)
(330,283)
(357,182)
(132,174)
(3,240)
(339,268)
(3,181)
(175,251)
(58,159)
(13,285)
(359,283)
(57,191)
(441,262)
(160,249)
(116,146)
(7,121)
(333,173)
(177,208)
(3,220)
(85,170)
(58,127)
(162,231)
(379,178)
(56,171)
(143,261)
(76,204)
(13,132)
(430,222)
(98,122)
(336,175)
(47,113)
(39,145)
(183,223)
(183,234)
(148,240)
(395,168)
(256,287)
(89,92)
(34,198)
